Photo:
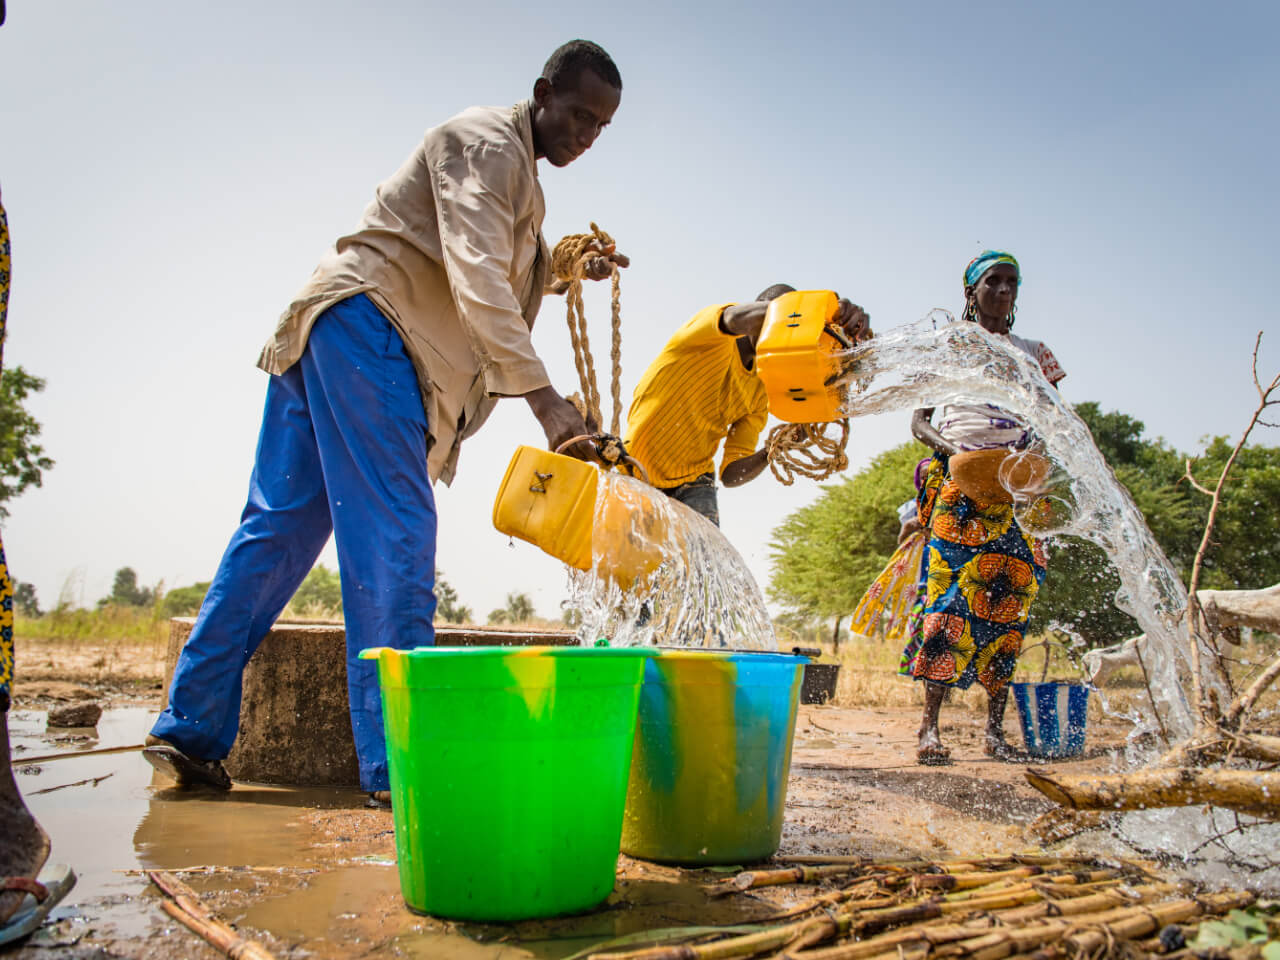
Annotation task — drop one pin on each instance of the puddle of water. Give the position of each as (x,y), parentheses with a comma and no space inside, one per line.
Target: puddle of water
(664,574)
(134,819)
(326,909)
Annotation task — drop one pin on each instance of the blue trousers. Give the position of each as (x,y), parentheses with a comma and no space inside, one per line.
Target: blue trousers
(698,494)
(343,448)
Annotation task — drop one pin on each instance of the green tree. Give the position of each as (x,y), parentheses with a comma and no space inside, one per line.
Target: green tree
(22,459)
(185,601)
(319,593)
(826,554)
(519,609)
(447,607)
(24,598)
(125,591)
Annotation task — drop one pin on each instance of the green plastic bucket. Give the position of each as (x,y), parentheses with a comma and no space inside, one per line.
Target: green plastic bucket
(509,772)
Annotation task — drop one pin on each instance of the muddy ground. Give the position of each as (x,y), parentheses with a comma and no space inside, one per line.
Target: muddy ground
(310,872)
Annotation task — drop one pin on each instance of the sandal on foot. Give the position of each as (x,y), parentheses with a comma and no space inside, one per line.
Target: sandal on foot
(1000,750)
(379,800)
(933,756)
(42,895)
(187,771)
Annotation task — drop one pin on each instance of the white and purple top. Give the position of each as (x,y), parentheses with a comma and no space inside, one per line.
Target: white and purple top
(980,426)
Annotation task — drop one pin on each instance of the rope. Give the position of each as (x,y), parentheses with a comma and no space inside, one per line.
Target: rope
(805,449)
(569,263)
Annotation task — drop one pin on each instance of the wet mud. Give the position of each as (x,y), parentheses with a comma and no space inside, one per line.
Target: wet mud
(310,872)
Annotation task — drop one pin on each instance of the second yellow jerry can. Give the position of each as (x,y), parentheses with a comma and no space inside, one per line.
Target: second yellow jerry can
(796,356)
(549,500)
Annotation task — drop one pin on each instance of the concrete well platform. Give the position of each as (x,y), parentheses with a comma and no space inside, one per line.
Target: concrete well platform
(295,696)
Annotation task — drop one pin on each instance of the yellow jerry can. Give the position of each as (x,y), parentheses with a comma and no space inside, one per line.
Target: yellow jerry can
(549,500)
(795,356)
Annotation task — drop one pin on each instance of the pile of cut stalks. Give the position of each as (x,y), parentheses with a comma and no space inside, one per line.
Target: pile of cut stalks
(1037,908)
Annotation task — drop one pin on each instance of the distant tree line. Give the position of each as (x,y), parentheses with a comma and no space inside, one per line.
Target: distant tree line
(319,595)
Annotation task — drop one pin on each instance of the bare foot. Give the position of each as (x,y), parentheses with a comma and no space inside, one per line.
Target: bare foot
(24,846)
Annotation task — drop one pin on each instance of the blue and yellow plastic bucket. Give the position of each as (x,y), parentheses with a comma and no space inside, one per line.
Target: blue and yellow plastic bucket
(712,756)
(1053,716)
(508,774)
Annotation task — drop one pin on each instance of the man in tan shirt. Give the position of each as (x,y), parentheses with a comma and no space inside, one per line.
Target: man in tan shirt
(396,349)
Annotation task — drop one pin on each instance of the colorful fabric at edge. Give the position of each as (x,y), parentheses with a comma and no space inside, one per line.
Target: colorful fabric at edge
(985,261)
(6,584)
(892,593)
(980,576)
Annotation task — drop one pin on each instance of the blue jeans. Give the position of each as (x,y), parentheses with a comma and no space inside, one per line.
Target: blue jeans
(698,494)
(343,449)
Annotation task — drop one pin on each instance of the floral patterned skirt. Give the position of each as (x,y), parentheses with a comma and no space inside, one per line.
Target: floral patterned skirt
(888,601)
(978,579)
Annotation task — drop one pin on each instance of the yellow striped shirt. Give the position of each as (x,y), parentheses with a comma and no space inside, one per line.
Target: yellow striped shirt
(695,394)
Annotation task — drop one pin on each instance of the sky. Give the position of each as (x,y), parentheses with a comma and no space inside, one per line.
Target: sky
(172,173)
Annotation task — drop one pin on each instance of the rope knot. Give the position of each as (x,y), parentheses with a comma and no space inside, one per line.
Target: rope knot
(571,254)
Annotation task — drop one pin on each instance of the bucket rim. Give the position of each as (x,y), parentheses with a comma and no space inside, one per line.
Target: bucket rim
(489,652)
(773,656)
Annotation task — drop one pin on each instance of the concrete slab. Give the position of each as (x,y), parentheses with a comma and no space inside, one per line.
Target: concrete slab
(295,693)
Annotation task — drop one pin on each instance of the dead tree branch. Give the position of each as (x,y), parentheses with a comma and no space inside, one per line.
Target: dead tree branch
(1253,792)
(1195,616)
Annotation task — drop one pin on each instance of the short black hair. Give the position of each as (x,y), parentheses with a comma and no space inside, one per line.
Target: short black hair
(774,292)
(570,59)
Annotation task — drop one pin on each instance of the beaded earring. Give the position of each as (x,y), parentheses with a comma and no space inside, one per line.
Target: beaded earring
(1013,315)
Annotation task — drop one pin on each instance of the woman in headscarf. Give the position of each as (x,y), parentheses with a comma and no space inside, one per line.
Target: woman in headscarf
(980,572)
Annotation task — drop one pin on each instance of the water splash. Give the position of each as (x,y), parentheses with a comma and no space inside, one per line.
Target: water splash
(664,574)
(938,361)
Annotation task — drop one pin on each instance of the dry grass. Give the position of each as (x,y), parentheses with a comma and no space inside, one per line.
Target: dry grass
(869,677)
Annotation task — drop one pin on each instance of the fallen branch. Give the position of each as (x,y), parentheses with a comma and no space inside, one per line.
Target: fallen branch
(79,783)
(186,907)
(72,754)
(1253,792)
(1220,744)
(751,879)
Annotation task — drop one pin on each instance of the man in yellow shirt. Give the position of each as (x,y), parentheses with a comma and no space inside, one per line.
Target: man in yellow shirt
(703,389)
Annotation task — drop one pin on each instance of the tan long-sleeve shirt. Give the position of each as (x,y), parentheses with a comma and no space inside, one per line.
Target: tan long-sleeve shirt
(451,251)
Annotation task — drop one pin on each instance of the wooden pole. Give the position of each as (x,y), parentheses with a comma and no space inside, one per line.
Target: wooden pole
(187,907)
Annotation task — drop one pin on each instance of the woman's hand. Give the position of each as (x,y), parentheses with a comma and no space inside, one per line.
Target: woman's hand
(922,429)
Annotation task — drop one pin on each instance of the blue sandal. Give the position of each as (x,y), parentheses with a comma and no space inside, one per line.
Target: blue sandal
(42,895)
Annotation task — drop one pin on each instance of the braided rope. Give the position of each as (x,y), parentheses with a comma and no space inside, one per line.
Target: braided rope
(805,449)
(569,262)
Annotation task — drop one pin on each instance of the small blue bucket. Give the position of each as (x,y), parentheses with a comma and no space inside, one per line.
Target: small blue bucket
(1053,716)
